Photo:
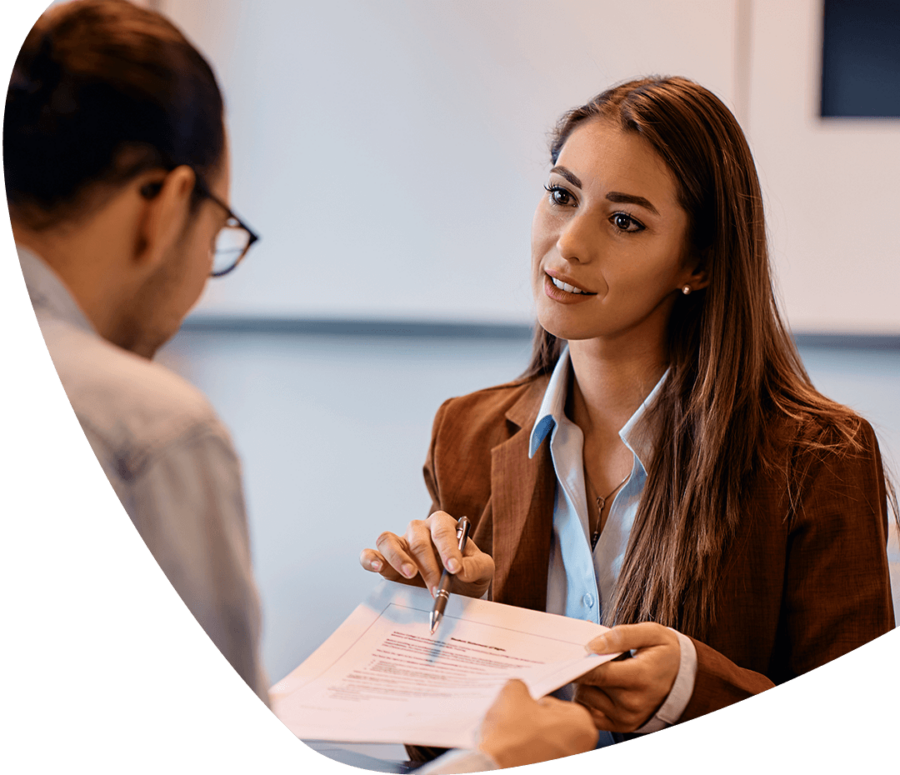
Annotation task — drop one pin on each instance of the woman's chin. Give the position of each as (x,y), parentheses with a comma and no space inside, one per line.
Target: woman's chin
(561,329)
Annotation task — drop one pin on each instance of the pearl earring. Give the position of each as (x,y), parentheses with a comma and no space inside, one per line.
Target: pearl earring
(686,290)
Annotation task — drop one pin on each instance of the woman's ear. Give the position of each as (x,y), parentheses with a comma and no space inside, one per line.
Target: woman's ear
(165,216)
(698,277)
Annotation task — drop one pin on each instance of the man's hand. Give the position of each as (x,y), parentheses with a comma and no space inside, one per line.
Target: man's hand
(420,555)
(623,696)
(518,730)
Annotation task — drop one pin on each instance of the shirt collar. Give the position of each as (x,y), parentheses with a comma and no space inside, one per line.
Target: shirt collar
(47,291)
(553,407)
(635,433)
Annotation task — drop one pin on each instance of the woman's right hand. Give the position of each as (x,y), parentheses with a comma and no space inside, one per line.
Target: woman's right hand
(420,555)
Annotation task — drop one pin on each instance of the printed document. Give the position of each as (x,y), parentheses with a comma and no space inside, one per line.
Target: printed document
(382,677)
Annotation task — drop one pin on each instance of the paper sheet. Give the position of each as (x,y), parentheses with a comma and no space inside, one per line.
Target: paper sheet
(383,678)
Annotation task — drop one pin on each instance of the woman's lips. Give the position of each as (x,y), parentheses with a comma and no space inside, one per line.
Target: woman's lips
(553,291)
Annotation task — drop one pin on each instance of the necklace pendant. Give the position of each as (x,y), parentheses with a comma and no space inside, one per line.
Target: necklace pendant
(601,504)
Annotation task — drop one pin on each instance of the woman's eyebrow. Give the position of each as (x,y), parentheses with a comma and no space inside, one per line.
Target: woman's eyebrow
(568,175)
(613,196)
(619,198)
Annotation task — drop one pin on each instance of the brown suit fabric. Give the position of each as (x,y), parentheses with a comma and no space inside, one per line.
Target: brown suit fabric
(805,580)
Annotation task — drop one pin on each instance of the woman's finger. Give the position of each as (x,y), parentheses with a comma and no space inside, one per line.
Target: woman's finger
(394,551)
(625,637)
(471,566)
(443,529)
(599,705)
(422,550)
(477,567)
(419,556)
(371,560)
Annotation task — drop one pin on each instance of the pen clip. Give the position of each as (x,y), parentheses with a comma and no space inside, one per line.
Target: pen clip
(462,531)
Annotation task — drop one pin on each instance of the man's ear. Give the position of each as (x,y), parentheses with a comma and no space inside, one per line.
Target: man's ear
(165,216)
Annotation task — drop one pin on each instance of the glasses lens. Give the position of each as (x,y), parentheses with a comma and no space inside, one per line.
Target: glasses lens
(230,246)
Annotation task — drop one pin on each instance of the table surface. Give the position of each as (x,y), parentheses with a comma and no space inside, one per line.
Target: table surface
(379,757)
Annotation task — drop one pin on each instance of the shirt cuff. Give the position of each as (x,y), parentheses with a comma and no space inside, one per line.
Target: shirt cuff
(459,761)
(681,691)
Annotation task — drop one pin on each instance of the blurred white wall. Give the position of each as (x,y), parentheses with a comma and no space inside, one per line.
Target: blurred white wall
(391,153)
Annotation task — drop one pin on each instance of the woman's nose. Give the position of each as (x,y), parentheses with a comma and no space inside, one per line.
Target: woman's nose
(577,240)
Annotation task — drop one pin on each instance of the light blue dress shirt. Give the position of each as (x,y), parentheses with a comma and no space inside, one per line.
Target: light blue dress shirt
(579,581)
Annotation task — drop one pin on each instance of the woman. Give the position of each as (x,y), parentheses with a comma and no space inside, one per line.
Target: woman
(664,464)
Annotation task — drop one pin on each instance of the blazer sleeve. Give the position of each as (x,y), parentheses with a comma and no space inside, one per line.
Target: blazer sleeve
(429,470)
(837,593)
(720,682)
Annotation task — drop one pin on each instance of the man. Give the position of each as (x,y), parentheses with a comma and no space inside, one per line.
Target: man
(117,175)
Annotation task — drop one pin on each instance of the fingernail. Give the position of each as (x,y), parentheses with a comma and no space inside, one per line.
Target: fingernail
(598,645)
(453,565)
(433,591)
(375,565)
(408,570)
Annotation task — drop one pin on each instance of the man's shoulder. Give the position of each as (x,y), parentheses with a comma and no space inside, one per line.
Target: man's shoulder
(129,405)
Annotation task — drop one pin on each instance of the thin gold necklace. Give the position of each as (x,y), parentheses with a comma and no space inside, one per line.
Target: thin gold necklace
(601,504)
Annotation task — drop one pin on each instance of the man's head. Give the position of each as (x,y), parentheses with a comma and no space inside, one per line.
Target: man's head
(115,154)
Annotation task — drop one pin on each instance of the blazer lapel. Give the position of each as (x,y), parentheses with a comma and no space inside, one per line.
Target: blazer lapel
(522,493)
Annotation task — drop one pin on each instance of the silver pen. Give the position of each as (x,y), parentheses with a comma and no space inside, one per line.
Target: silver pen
(443,589)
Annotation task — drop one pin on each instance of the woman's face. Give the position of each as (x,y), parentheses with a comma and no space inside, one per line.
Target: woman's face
(608,240)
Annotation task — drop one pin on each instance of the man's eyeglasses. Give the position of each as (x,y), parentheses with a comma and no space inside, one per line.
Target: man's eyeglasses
(233,240)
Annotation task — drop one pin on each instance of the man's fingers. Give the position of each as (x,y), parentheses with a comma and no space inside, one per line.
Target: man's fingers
(515,691)
(512,699)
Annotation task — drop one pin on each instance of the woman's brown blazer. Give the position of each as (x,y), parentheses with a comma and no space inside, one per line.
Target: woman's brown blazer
(804,581)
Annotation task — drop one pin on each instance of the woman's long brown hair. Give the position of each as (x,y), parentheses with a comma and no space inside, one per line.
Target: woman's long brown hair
(733,364)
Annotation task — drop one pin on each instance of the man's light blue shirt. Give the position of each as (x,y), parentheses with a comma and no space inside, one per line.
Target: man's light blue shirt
(580,581)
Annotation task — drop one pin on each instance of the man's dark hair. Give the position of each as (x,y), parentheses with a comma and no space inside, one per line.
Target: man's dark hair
(102,91)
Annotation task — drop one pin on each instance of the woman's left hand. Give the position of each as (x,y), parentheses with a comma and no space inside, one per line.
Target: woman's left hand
(623,696)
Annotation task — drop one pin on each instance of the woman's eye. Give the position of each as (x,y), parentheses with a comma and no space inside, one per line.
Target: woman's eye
(624,222)
(559,195)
